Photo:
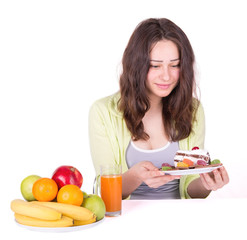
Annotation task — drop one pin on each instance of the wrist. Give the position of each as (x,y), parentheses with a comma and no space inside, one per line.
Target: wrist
(130,181)
(197,190)
(134,176)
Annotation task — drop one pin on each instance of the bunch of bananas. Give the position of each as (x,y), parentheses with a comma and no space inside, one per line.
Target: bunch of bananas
(50,214)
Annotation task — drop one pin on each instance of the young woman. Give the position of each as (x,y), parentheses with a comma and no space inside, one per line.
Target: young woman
(154,114)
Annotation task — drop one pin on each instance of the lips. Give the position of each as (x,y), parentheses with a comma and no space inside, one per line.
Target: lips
(163,86)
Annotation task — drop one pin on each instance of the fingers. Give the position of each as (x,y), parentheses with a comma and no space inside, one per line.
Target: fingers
(207,181)
(148,166)
(216,180)
(151,175)
(160,180)
(154,173)
(224,174)
(149,170)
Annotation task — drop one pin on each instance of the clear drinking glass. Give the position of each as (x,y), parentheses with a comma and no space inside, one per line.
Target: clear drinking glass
(111,188)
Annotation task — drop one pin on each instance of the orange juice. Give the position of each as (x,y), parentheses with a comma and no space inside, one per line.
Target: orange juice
(111,193)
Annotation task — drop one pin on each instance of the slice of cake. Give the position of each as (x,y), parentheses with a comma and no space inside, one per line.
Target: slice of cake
(196,158)
(189,159)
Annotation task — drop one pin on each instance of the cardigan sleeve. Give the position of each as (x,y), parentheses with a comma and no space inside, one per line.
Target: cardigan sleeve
(196,138)
(101,148)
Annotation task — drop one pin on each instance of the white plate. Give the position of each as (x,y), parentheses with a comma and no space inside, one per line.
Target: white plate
(60,229)
(191,171)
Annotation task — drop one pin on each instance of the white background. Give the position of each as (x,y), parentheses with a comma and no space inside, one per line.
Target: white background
(58,57)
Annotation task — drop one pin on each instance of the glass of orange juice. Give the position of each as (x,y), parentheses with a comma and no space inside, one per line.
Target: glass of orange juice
(111,189)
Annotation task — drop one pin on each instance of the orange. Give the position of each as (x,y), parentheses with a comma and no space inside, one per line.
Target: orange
(45,189)
(188,161)
(70,194)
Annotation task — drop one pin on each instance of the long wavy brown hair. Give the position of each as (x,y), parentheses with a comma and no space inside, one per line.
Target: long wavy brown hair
(178,106)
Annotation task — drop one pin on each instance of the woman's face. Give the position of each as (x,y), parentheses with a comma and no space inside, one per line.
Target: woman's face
(163,74)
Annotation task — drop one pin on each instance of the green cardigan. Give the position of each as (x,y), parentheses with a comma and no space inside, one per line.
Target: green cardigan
(109,137)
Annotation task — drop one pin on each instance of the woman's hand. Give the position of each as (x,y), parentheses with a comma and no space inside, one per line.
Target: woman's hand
(216,179)
(202,186)
(143,172)
(146,172)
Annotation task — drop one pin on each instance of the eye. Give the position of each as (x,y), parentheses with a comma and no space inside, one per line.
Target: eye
(154,66)
(175,66)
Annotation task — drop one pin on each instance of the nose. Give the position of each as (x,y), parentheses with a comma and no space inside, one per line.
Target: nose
(164,75)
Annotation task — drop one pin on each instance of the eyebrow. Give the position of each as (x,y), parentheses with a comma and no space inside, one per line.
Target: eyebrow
(173,60)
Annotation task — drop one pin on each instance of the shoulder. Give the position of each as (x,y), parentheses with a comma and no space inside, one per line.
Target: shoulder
(107,105)
(198,110)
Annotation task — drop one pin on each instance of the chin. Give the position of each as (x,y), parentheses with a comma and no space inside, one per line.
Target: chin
(158,93)
(163,94)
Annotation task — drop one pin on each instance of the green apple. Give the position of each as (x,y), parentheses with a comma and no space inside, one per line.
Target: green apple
(95,204)
(27,186)
(85,195)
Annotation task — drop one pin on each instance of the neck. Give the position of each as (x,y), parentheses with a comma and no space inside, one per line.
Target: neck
(156,104)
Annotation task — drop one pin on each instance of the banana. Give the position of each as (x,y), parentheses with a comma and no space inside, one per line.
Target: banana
(35,222)
(84,222)
(69,210)
(33,210)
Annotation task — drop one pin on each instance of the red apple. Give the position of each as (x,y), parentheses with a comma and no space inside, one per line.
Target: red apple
(64,175)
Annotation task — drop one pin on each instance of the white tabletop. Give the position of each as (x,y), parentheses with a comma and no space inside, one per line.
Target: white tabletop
(173,219)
